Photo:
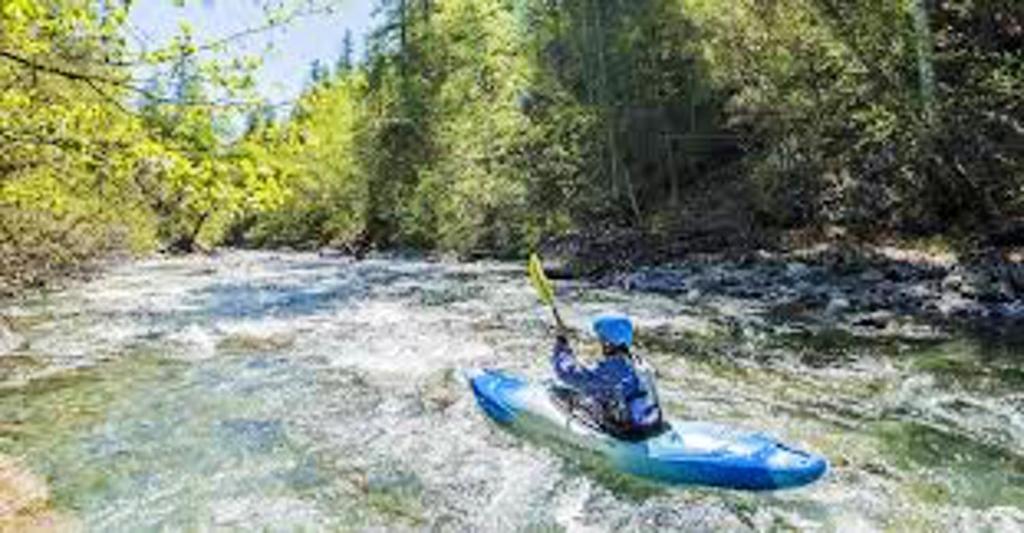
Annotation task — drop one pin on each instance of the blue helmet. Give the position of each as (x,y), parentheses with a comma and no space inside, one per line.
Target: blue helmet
(616,330)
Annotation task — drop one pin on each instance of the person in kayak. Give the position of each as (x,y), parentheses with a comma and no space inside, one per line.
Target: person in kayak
(619,392)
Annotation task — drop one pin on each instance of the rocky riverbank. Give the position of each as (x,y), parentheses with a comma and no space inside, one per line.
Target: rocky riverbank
(867,291)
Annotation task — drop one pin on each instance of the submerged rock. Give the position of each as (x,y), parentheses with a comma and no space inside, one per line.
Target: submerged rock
(25,503)
(797,270)
(837,306)
(661,281)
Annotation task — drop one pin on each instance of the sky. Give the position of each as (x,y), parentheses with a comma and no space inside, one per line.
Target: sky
(287,51)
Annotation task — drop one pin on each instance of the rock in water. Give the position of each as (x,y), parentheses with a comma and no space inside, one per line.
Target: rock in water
(797,270)
(328,252)
(25,501)
(876,320)
(837,305)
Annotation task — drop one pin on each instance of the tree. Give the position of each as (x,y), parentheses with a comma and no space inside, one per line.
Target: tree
(345,59)
(925,67)
(318,72)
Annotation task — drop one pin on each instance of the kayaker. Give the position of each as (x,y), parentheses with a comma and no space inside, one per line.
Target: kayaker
(620,388)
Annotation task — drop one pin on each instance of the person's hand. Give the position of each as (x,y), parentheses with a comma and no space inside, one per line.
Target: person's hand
(560,331)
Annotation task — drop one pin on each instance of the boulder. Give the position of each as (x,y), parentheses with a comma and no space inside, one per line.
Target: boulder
(876,320)
(954,281)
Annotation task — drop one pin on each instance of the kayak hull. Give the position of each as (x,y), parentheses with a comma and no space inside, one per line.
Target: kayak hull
(688,453)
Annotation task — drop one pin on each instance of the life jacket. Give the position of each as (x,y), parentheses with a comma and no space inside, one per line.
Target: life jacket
(634,409)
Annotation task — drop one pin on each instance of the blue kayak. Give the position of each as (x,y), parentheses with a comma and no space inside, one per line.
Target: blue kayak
(685,453)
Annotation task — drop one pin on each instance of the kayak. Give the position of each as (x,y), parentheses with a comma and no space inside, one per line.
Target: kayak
(684,453)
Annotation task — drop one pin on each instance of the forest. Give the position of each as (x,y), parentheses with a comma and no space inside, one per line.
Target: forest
(486,128)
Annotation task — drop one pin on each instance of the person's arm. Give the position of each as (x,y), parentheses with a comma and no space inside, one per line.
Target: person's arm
(568,369)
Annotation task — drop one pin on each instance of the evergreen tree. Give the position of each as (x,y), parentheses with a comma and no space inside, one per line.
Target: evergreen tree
(345,59)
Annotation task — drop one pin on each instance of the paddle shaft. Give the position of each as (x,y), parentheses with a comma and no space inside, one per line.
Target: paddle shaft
(558,319)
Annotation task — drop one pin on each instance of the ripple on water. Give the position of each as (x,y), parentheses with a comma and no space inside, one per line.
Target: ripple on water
(280,391)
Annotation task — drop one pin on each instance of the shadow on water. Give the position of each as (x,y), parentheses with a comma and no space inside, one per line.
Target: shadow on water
(947,468)
(625,487)
(311,294)
(580,462)
(978,362)
(246,300)
(48,408)
(139,430)
(833,346)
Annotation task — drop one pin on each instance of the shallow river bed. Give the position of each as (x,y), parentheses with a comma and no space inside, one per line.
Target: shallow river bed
(287,390)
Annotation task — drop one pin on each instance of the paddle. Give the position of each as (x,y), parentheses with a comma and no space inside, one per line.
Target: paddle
(545,290)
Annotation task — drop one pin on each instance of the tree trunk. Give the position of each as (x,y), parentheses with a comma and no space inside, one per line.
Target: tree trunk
(925,60)
(403,34)
(673,172)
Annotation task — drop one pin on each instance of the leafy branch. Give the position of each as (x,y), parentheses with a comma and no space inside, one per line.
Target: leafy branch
(92,81)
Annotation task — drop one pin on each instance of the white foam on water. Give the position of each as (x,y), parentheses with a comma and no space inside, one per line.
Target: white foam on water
(193,342)
(394,338)
(361,386)
(570,508)
(265,328)
(9,341)
(271,513)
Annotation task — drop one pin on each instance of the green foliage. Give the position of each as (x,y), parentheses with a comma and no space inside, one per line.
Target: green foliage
(65,184)
(486,126)
(82,172)
(838,102)
(313,191)
(490,125)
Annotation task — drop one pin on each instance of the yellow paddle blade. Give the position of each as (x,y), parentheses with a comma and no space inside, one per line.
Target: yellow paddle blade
(545,290)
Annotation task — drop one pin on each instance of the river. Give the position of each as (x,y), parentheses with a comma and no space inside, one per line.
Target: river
(282,391)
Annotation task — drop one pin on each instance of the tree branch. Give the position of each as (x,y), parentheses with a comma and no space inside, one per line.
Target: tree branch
(113,101)
(125,83)
(69,74)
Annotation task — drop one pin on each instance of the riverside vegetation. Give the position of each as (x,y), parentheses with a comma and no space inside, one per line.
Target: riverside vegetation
(487,127)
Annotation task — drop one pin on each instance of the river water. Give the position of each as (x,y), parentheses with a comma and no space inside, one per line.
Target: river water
(287,390)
